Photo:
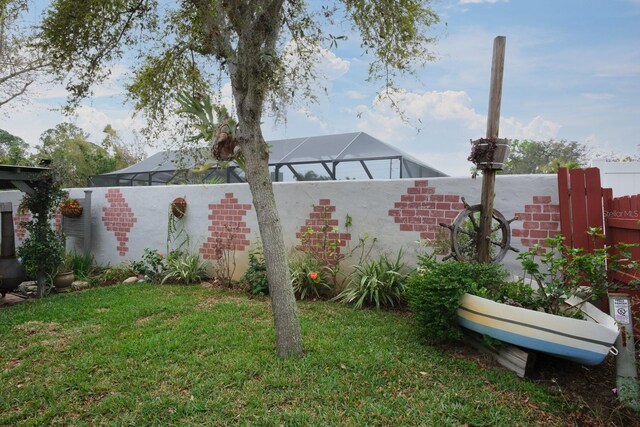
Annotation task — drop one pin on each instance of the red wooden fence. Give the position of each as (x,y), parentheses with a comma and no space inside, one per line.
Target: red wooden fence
(622,216)
(584,204)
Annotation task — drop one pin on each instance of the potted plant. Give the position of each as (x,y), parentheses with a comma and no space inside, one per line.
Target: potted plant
(178,207)
(489,153)
(43,249)
(70,208)
(64,276)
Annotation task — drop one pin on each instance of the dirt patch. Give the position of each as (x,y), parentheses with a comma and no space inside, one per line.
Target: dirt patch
(34,327)
(12,299)
(143,320)
(11,364)
(49,334)
(220,299)
(588,388)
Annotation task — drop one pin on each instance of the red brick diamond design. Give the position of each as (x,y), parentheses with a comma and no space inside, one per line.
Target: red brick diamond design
(227,231)
(57,218)
(422,210)
(18,220)
(320,235)
(118,218)
(539,221)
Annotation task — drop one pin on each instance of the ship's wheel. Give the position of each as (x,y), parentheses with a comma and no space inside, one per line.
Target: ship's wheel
(465,230)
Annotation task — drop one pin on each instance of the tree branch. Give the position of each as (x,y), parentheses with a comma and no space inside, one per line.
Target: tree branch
(23,71)
(15,95)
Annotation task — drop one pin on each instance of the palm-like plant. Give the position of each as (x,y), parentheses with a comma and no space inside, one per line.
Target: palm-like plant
(376,283)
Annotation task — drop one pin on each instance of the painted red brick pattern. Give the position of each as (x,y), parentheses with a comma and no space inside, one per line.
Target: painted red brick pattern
(540,220)
(320,233)
(57,218)
(228,229)
(422,210)
(118,218)
(19,219)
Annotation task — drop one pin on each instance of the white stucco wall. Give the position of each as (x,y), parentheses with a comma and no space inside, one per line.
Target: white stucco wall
(367,202)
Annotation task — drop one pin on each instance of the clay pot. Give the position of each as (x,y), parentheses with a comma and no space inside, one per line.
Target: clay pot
(63,280)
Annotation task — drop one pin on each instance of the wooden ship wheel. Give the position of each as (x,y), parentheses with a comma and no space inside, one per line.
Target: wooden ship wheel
(465,231)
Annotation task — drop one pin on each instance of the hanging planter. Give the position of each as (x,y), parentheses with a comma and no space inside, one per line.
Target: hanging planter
(489,153)
(71,208)
(179,207)
(225,145)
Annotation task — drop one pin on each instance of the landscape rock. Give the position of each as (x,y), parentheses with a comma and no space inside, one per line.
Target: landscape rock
(79,285)
(28,287)
(132,279)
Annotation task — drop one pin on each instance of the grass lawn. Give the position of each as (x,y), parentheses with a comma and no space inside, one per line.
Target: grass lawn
(171,355)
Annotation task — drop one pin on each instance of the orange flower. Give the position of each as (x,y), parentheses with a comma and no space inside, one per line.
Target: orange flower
(70,203)
(313,276)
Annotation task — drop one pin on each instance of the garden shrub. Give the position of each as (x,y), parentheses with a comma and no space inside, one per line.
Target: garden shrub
(184,268)
(151,265)
(114,274)
(308,275)
(81,264)
(376,283)
(562,271)
(435,288)
(256,275)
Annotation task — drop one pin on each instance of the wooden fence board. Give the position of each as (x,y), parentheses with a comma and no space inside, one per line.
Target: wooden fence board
(565,206)
(578,208)
(595,215)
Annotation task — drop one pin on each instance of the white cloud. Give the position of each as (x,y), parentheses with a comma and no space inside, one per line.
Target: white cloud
(354,94)
(94,121)
(538,128)
(452,109)
(330,66)
(618,70)
(112,86)
(421,110)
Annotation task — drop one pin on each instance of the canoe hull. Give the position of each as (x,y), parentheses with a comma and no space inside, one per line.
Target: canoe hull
(581,341)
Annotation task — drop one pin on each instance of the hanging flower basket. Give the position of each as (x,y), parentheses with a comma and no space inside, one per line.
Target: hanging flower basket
(489,153)
(71,208)
(73,212)
(179,207)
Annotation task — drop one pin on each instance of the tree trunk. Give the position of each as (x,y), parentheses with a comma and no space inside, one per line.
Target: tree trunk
(283,301)
(41,282)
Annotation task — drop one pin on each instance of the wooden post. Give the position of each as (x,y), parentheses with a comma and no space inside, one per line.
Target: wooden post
(493,126)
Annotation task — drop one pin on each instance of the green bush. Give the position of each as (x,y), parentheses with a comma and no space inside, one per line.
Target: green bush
(80,264)
(434,292)
(184,268)
(308,275)
(152,265)
(376,283)
(561,271)
(256,275)
(115,274)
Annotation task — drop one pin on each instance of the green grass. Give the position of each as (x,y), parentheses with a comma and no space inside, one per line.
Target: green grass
(171,355)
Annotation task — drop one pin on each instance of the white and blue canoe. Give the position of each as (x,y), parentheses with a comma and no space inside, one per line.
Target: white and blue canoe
(583,341)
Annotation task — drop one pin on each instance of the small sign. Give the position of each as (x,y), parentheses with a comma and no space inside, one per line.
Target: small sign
(621,310)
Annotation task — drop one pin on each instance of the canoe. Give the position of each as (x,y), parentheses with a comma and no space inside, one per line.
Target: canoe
(583,341)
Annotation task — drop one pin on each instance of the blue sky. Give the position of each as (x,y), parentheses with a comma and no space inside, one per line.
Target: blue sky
(572,71)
